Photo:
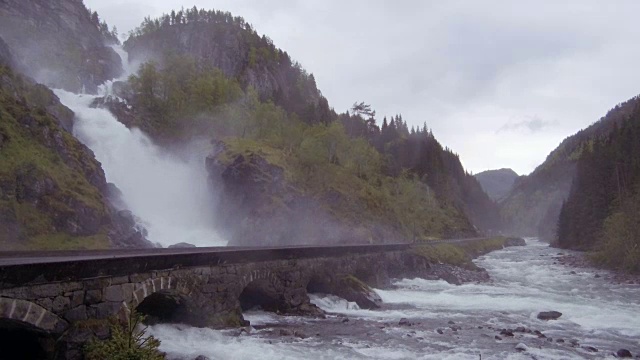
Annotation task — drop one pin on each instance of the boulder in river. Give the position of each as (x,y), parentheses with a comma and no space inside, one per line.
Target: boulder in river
(623,353)
(549,315)
(522,347)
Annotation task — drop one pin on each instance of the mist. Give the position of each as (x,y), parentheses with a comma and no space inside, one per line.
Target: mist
(169,194)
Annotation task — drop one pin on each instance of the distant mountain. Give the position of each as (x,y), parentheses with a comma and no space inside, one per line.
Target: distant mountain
(533,205)
(497,183)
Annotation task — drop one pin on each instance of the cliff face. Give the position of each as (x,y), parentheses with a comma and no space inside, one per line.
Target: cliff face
(57,44)
(533,205)
(218,40)
(259,205)
(53,193)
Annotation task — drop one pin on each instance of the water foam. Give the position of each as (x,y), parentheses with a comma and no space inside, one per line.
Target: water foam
(169,194)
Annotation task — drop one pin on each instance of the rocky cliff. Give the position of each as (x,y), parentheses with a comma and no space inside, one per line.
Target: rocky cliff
(258,204)
(58,44)
(219,40)
(53,193)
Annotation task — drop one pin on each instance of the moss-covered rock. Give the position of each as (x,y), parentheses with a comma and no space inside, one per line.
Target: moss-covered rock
(52,189)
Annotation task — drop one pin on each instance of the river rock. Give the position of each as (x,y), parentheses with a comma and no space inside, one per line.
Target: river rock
(405,322)
(549,315)
(506,332)
(522,347)
(590,348)
(623,353)
(201,357)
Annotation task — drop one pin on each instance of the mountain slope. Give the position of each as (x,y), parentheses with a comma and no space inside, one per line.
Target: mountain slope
(602,211)
(53,193)
(497,183)
(533,205)
(216,39)
(59,43)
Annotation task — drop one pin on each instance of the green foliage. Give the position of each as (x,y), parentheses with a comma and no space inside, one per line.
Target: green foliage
(460,253)
(34,149)
(443,253)
(127,342)
(620,244)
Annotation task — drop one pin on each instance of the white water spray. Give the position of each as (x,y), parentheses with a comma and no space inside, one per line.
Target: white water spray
(170,195)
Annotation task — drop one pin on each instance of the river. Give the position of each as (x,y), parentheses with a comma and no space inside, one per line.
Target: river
(525,281)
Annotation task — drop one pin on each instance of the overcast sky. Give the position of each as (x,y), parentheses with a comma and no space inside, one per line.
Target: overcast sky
(501,83)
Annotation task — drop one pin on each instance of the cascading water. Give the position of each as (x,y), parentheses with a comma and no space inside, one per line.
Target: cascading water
(170,195)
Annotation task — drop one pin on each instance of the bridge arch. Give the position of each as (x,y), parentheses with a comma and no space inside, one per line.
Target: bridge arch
(157,298)
(262,288)
(27,330)
(32,315)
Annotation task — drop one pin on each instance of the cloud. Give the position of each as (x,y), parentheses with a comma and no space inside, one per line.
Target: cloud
(533,124)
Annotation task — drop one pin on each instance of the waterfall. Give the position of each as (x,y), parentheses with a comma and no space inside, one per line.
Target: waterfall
(170,195)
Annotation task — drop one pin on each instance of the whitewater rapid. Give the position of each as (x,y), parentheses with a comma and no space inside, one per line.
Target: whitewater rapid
(595,313)
(169,194)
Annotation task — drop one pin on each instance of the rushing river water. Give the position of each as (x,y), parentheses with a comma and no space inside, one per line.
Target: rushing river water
(449,322)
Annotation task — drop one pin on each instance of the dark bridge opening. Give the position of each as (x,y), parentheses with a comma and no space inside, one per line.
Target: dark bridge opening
(260,294)
(318,286)
(21,341)
(161,307)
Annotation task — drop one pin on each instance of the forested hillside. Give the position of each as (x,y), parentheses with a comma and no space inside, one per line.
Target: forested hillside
(497,183)
(211,75)
(603,208)
(533,205)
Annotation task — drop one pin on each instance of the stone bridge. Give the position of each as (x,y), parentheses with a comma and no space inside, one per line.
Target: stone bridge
(55,302)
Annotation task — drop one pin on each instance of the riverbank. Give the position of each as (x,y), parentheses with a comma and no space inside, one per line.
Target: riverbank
(577,261)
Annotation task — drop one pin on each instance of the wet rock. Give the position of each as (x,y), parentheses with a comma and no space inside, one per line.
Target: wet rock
(597,276)
(498,337)
(522,347)
(574,342)
(623,353)
(560,341)
(285,332)
(405,322)
(201,357)
(590,348)
(520,329)
(300,334)
(506,332)
(572,273)
(439,331)
(549,315)
(345,320)
(451,322)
